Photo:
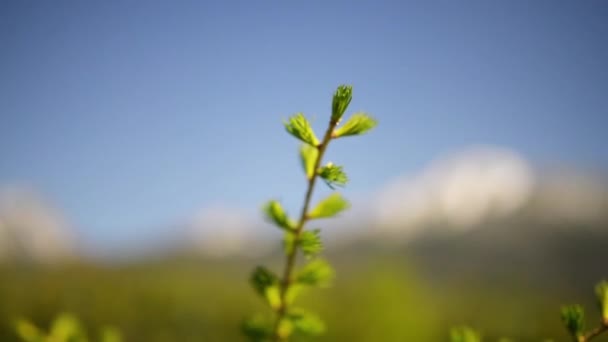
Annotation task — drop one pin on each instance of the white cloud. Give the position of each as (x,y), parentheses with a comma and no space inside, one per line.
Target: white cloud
(459,192)
(30,228)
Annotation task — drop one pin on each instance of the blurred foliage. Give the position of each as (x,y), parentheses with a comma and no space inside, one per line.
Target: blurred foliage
(375,298)
(65,328)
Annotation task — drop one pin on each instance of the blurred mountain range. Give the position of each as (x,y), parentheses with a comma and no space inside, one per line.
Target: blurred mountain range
(485,207)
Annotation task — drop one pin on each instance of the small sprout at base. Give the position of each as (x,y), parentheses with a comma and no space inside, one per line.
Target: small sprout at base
(329,207)
(573,317)
(340,102)
(308,157)
(333,175)
(276,214)
(316,273)
(358,124)
(299,127)
(464,334)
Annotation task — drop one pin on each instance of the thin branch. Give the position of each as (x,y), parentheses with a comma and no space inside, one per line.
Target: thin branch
(291,256)
(595,332)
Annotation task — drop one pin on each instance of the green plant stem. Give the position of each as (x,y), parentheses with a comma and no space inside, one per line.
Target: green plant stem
(291,257)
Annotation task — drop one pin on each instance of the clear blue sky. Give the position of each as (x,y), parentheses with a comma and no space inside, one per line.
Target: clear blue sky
(132,115)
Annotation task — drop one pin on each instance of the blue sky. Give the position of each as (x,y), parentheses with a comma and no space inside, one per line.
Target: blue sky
(131,116)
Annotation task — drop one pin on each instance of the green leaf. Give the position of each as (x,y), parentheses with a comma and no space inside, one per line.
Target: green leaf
(273,296)
(333,175)
(306,323)
(310,242)
(257,328)
(601,291)
(262,278)
(464,334)
(573,317)
(299,127)
(285,328)
(28,332)
(66,327)
(358,124)
(266,284)
(289,242)
(317,273)
(340,102)
(275,213)
(329,207)
(293,292)
(308,157)
(110,334)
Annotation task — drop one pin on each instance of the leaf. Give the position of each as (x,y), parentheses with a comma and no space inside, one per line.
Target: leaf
(266,284)
(28,331)
(262,278)
(329,207)
(317,272)
(333,175)
(359,123)
(284,329)
(66,327)
(308,157)
(293,292)
(464,334)
(257,328)
(275,213)
(310,242)
(306,323)
(340,102)
(110,334)
(299,127)
(601,291)
(573,317)
(289,242)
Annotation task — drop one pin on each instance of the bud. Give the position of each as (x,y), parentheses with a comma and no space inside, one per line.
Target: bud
(573,317)
(341,100)
(602,295)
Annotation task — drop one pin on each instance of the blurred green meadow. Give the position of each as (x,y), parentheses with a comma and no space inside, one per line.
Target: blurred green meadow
(411,293)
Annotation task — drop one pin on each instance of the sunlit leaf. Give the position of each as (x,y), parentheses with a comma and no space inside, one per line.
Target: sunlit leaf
(262,278)
(317,272)
(333,175)
(275,213)
(289,242)
(257,328)
(601,291)
(293,292)
(28,331)
(299,127)
(329,207)
(340,102)
(357,124)
(310,242)
(464,334)
(110,334)
(573,317)
(306,323)
(308,157)
(285,328)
